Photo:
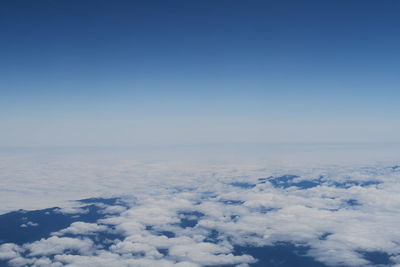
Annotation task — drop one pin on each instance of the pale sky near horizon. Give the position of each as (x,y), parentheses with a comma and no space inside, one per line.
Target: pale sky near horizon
(193,72)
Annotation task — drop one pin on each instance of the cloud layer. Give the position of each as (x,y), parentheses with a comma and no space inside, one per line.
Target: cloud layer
(341,216)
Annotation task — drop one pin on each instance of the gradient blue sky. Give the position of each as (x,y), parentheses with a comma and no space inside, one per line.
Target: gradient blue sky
(190,72)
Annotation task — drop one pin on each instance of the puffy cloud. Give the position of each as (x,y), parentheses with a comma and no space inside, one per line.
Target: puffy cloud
(72,210)
(134,248)
(82,228)
(57,245)
(116,209)
(9,251)
(208,254)
(24,225)
(198,217)
(104,259)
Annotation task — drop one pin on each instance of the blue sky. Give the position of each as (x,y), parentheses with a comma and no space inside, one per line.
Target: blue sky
(192,72)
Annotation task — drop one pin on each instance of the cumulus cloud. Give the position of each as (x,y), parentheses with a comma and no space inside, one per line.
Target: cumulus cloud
(24,225)
(114,209)
(82,228)
(57,245)
(199,218)
(9,251)
(72,210)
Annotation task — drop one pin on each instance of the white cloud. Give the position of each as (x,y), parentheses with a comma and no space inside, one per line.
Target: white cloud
(161,198)
(81,228)
(72,210)
(208,254)
(24,225)
(116,209)
(9,251)
(57,245)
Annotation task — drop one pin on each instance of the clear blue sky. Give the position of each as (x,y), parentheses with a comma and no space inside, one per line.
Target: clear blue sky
(191,72)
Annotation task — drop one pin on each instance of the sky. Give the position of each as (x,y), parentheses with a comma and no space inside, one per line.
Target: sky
(128,73)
